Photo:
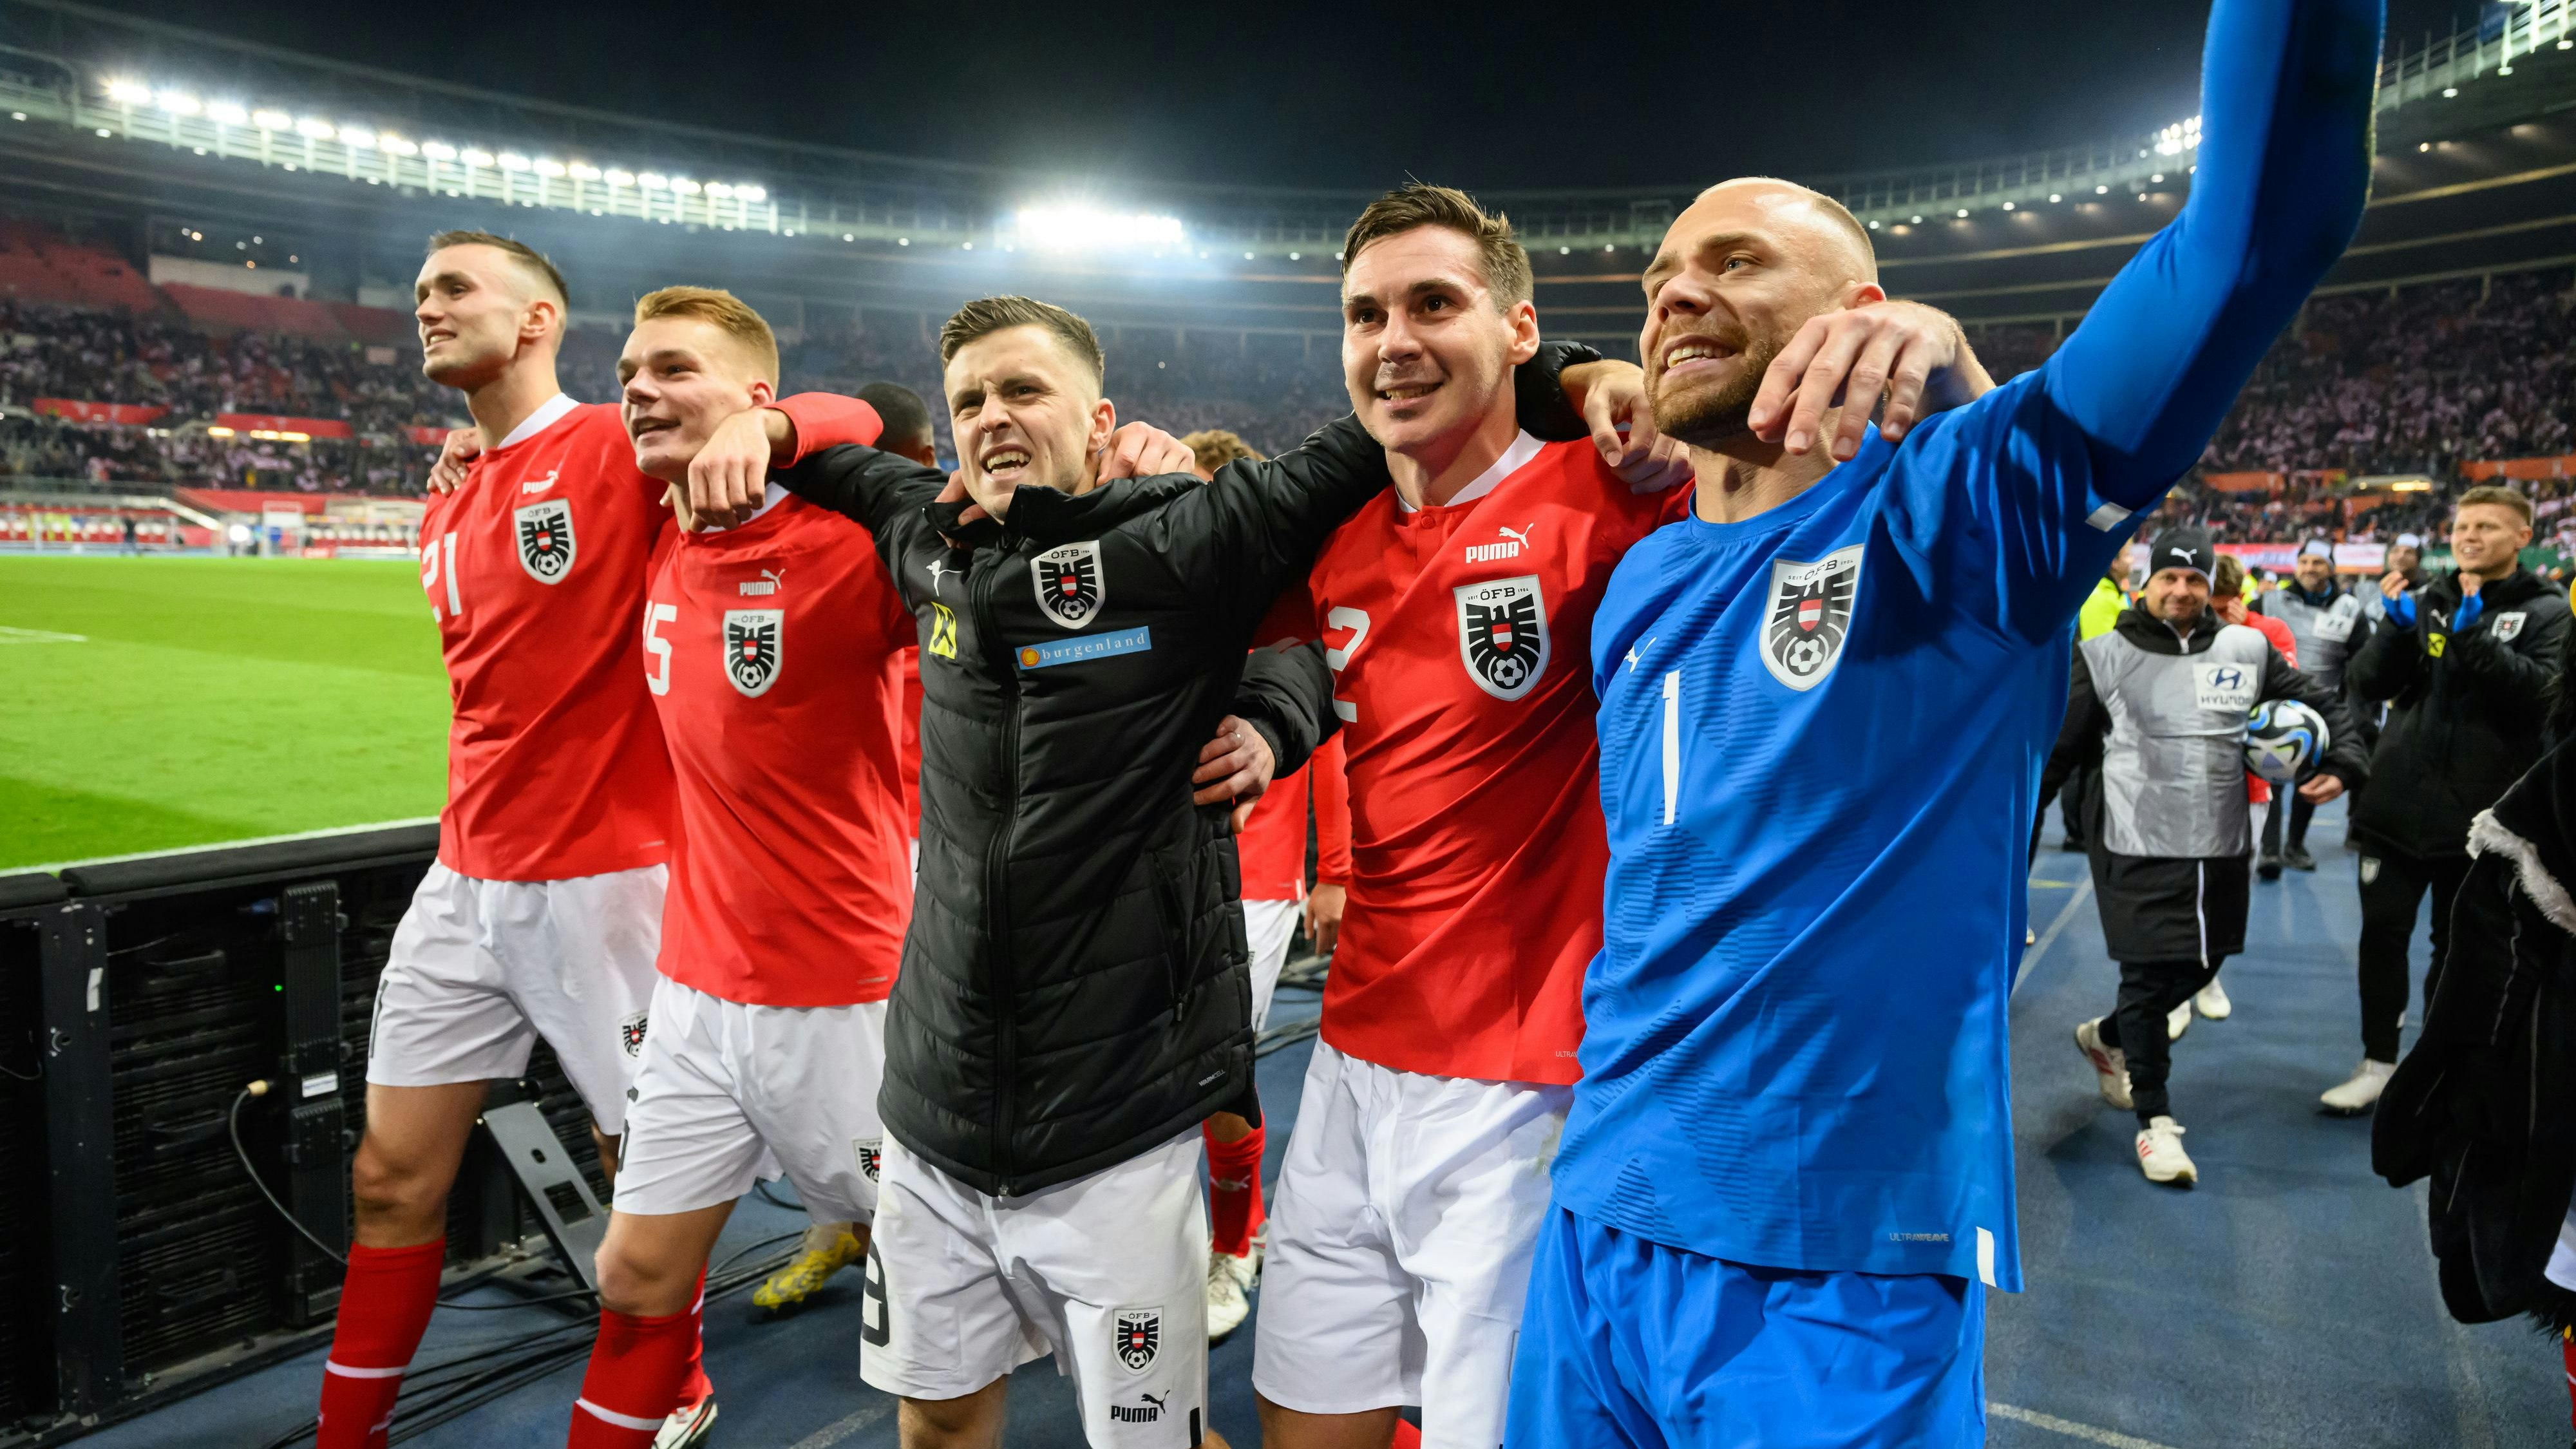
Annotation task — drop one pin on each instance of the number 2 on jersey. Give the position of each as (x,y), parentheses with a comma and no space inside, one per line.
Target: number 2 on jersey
(1356,620)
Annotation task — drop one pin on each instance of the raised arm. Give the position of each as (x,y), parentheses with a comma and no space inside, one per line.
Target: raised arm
(2282,173)
(884,491)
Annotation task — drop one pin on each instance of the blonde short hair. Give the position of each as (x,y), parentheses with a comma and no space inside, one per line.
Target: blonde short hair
(721,310)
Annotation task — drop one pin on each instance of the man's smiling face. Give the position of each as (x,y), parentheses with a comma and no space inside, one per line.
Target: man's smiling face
(681,376)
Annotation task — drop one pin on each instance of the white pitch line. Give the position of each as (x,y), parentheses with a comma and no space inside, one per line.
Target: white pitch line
(2048,938)
(2056,1425)
(64,865)
(38,636)
(842,1428)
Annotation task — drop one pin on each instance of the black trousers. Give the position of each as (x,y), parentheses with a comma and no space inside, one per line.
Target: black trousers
(2149,991)
(2301,811)
(2392,887)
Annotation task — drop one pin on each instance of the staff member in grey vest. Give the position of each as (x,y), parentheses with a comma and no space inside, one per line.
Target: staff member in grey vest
(2163,698)
(2324,619)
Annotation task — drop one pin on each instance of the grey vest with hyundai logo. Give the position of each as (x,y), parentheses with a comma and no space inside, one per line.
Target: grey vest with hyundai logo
(2173,765)
(2325,635)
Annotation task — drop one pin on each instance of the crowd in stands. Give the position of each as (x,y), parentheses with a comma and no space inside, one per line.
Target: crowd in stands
(2419,381)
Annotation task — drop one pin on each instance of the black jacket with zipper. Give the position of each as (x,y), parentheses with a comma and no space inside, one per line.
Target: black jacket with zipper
(1075,986)
(2466,709)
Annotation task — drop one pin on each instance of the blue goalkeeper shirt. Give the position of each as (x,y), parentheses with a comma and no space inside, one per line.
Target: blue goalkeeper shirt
(1822,730)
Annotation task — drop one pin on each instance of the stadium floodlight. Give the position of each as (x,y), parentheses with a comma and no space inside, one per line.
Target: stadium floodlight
(438,150)
(2156,180)
(2101,191)
(227,113)
(753,194)
(268,120)
(129,93)
(179,103)
(395,145)
(685,186)
(2181,136)
(314,128)
(2055,197)
(583,171)
(654,181)
(513,161)
(477,156)
(617,177)
(1072,226)
(1963,213)
(2450,92)
(550,168)
(901,241)
(1299,256)
(358,138)
(719,190)
(2008,206)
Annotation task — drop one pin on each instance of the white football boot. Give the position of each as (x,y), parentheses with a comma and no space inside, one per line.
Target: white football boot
(1229,1290)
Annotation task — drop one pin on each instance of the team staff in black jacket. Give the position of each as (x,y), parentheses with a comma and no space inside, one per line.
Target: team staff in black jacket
(1075,998)
(2465,663)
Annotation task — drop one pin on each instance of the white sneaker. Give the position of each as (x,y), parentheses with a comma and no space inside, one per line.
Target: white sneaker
(2110,1064)
(2160,1154)
(2211,1001)
(2178,1021)
(1229,1288)
(688,1428)
(2361,1092)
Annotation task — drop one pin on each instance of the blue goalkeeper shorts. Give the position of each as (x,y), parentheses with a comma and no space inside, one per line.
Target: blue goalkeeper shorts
(1629,1344)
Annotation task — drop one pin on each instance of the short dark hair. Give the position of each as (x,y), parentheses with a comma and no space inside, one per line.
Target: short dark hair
(530,260)
(905,416)
(989,315)
(1505,262)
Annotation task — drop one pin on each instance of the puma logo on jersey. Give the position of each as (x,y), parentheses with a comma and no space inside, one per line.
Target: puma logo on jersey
(770,580)
(1514,540)
(542,484)
(937,569)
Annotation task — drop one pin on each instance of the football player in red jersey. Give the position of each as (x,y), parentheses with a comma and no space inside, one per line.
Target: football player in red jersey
(790,889)
(542,913)
(1455,611)
(831,1246)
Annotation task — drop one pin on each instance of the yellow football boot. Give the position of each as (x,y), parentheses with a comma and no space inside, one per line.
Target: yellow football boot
(828,1248)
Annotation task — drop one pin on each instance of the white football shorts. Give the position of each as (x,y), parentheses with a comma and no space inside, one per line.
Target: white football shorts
(730,1093)
(1401,1235)
(1108,1272)
(1271,926)
(482,968)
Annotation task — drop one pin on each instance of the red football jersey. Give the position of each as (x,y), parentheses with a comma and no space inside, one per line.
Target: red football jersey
(1273,843)
(535,568)
(907,668)
(769,650)
(1460,636)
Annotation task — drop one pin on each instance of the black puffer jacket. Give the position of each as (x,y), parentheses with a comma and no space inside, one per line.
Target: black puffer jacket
(1075,987)
(2466,709)
(2485,1105)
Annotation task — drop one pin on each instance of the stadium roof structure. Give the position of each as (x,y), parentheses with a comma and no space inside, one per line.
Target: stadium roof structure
(118,78)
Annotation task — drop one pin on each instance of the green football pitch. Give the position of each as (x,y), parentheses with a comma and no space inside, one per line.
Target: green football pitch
(153,703)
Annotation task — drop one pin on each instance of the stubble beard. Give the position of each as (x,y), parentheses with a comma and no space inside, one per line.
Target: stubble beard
(1706,419)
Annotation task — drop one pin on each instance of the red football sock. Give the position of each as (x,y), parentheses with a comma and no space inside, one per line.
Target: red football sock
(634,1379)
(695,1386)
(1406,1436)
(385,1303)
(2567,1346)
(1234,1195)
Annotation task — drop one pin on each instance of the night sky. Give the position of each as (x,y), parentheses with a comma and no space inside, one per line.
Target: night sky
(1509,95)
